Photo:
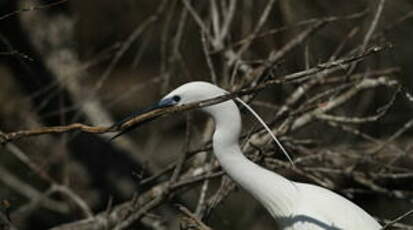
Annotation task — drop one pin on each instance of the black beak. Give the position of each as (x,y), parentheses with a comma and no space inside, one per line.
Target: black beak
(161,104)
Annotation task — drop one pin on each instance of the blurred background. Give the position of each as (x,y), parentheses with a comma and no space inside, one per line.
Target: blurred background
(95,62)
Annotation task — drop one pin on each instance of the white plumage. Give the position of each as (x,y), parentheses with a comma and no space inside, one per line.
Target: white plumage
(294,205)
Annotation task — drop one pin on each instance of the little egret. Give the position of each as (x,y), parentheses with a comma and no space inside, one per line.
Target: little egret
(293,205)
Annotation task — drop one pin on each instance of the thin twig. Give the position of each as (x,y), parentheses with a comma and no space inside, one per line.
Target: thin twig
(193,217)
(38,7)
(398,219)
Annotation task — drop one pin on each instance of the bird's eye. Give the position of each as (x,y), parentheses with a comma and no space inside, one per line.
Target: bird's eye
(176,98)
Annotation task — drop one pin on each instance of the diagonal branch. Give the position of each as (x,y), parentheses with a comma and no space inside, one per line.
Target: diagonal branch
(294,77)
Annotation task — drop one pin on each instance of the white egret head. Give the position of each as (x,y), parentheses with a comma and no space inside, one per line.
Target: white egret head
(185,94)
(191,92)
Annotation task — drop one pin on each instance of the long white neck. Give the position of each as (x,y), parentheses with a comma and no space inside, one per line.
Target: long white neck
(275,192)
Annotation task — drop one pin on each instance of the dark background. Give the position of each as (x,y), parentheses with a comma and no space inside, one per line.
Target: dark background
(62,62)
